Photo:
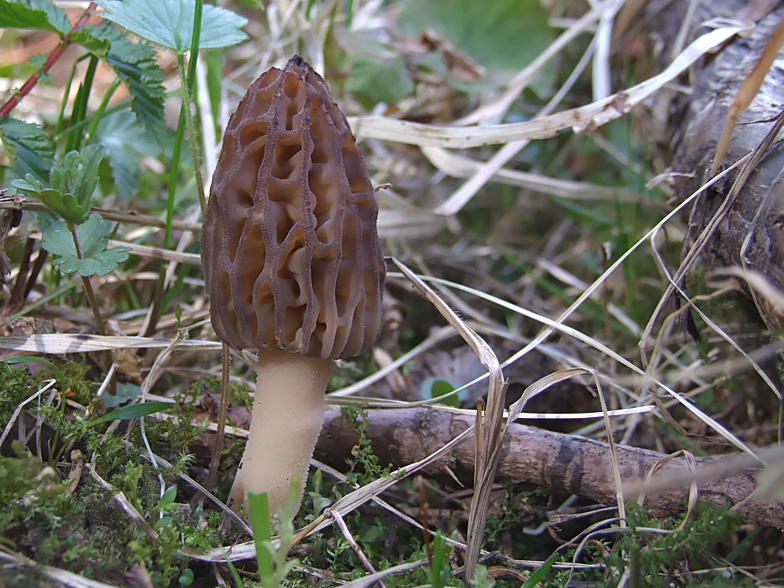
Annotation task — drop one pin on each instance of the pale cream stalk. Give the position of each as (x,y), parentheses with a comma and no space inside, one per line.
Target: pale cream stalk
(285,425)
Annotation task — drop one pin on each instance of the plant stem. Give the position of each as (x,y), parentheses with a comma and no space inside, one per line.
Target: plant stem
(185,118)
(31,82)
(88,287)
(186,105)
(96,118)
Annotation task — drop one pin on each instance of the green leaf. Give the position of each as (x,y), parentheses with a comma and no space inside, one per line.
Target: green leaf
(27,147)
(37,61)
(167,499)
(63,205)
(162,523)
(258,505)
(135,64)
(125,142)
(377,73)
(125,392)
(31,184)
(130,412)
(186,578)
(502,36)
(97,259)
(374,81)
(540,572)
(438,387)
(95,45)
(72,185)
(169,23)
(79,174)
(33,14)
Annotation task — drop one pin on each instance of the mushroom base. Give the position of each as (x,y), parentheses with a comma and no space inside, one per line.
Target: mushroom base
(285,425)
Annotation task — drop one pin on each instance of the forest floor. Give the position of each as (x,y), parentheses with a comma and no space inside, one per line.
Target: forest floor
(541,352)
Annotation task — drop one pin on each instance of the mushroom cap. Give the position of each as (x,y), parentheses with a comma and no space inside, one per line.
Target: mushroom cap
(289,248)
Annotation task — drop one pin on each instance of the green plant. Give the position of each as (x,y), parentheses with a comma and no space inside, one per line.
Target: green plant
(363,451)
(23,477)
(440,570)
(273,566)
(77,239)
(659,555)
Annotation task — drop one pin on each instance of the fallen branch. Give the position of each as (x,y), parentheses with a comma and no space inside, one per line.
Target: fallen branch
(564,463)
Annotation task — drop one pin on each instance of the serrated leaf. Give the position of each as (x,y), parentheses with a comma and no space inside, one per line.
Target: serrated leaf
(97,259)
(125,142)
(135,65)
(169,23)
(33,14)
(86,38)
(27,147)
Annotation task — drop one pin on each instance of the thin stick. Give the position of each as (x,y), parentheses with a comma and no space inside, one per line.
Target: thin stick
(335,515)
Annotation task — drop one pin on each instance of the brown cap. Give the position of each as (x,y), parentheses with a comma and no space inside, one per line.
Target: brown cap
(289,245)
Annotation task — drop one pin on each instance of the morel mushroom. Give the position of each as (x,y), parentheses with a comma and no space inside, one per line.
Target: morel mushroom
(292,263)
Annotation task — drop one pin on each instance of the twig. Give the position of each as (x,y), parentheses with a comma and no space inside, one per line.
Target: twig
(566,463)
(335,515)
(31,82)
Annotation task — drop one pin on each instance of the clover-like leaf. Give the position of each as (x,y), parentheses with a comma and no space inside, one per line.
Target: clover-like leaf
(96,258)
(169,23)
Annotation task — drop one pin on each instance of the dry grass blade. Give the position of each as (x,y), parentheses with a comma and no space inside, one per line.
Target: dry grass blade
(358,497)
(580,119)
(748,91)
(516,409)
(611,442)
(435,338)
(556,325)
(491,422)
(61,343)
(693,492)
(759,283)
(63,577)
(18,410)
(601,78)
(725,467)
(749,164)
(458,165)
(373,578)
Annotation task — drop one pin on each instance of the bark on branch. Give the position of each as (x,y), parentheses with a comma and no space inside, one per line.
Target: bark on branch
(564,463)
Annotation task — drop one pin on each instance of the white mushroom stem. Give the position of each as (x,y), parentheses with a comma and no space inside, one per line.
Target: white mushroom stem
(285,425)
